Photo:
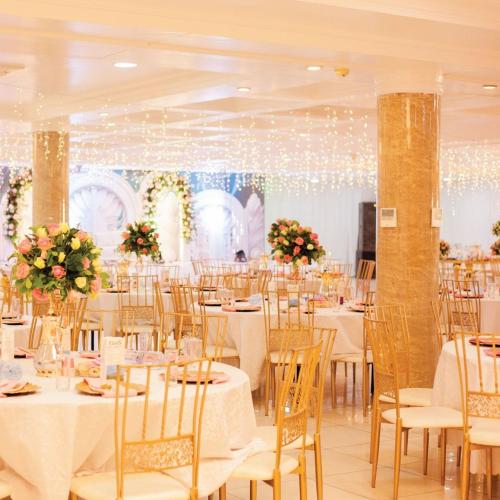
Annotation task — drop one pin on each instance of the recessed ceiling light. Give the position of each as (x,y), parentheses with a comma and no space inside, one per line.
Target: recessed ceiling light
(243,89)
(314,180)
(490,86)
(314,67)
(103,114)
(125,65)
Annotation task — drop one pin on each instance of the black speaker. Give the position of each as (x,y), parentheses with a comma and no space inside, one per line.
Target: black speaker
(367,232)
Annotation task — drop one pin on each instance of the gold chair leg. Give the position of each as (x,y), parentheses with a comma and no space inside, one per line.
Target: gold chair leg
(253,490)
(211,496)
(333,370)
(405,444)
(464,495)
(364,387)
(277,485)
(267,388)
(426,451)
(353,374)
(223,492)
(72,496)
(302,478)
(318,465)
(376,446)
(489,459)
(397,459)
(443,455)
(373,430)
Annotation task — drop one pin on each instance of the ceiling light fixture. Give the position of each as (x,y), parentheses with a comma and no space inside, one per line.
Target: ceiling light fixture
(125,65)
(243,89)
(103,114)
(490,86)
(314,67)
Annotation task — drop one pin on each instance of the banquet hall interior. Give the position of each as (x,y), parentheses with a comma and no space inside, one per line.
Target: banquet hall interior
(250,249)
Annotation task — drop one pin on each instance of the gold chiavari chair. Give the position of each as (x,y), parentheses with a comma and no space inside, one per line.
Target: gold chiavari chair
(363,358)
(93,325)
(39,309)
(291,426)
(267,433)
(240,285)
(289,323)
(479,373)
(73,312)
(263,277)
(495,267)
(153,437)
(138,297)
(388,370)
(364,277)
(440,321)
(463,305)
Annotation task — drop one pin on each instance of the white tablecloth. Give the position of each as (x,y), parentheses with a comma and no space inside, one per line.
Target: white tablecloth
(490,315)
(46,438)
(446,392)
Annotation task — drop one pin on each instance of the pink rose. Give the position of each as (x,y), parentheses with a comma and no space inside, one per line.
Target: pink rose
(44,243)
(53,229)
(125,235)
(58,272)
(304,259)
(281,239)
(300,229)
(277,258)
(122,248)
(154,248)
(273,245)
(157,235)
(288,258)
(314,236)
(145,229)
(95,285)
(25,246)
(82,235)
(85,263)
(145,251)
(296,250)
(140,241)
(299,241)
(22,271)
(282,227)
(39,295)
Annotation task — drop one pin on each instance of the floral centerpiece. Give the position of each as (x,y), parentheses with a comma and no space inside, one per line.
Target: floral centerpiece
(294,244)
(495,229)
(495,247)
(140,238)
(57,258)
(444,249)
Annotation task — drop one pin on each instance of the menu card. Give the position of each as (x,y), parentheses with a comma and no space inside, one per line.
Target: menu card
(8,343)
(112,353)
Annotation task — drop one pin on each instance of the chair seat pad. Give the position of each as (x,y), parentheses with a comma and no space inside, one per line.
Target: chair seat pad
(144,486)
(355,357)
(5,490)
(426,417)
(411,396)
(225,352)
(276,357)
(485,431)
(267,433)
(261,466)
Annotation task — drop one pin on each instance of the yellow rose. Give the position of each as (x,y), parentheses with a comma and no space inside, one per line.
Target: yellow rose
(39,262)
(97,265)
(286,243)
(95,250)
(61,257)
(81,281)
(41,232)
(310,246)
(284,232)
(63,227)
(75,243)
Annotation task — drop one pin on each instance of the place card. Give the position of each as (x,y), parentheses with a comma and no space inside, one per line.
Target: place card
(112,353)
(8,343)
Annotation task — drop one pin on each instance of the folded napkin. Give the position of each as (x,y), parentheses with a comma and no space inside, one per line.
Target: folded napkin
(107,389)
(219,377)
(492,353)
(9,386)
(90,355)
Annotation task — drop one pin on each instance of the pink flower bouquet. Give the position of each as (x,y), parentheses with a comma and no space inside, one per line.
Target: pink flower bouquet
(142,239)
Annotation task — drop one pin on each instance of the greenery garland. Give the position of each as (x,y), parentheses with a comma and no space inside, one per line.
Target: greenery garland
(180,186)
(17,187)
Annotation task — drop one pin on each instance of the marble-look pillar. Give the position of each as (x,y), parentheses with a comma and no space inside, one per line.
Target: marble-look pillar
(50,177)
(408,180)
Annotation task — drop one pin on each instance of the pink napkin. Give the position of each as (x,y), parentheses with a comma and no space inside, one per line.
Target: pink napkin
(21,351)
(491,353)
(90,355)
(229,309)
(10,386)
(107,389)
(220,378)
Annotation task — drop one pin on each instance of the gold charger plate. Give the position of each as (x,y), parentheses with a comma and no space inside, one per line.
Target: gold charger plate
(27,389)
(84,388)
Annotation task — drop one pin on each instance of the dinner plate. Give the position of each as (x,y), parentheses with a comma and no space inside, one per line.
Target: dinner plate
(192,376)
(84,388)
(27,389)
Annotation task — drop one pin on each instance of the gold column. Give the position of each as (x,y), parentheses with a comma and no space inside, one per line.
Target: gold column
(50,177)
(408,180)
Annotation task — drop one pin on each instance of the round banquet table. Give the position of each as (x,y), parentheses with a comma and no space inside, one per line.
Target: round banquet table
(47,437)
(490,315)
(446,392)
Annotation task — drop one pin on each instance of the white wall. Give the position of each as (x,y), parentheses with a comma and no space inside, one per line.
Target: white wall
(467,219)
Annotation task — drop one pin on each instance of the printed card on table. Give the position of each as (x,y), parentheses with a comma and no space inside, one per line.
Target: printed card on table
(112,353)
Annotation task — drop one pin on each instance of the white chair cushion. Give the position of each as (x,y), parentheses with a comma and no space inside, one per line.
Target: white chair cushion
(267,433)
(411,396)
(5,490)
(260,467)
(227,352)
(428,417)
(145,486)
(276,357)
(485,431)
(355,357)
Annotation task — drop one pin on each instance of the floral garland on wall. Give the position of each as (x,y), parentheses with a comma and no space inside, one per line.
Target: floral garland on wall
(180,186)
(17,187)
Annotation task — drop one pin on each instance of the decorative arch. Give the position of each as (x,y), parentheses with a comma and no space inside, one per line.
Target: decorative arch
(18,186)
(180,186)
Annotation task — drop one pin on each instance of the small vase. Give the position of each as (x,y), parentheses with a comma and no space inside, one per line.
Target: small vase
(295,272)
(139,265)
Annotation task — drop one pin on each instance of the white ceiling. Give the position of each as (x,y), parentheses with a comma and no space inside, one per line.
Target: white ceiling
(181,104)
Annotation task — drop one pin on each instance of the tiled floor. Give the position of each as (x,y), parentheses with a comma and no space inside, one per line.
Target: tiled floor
(347,474)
